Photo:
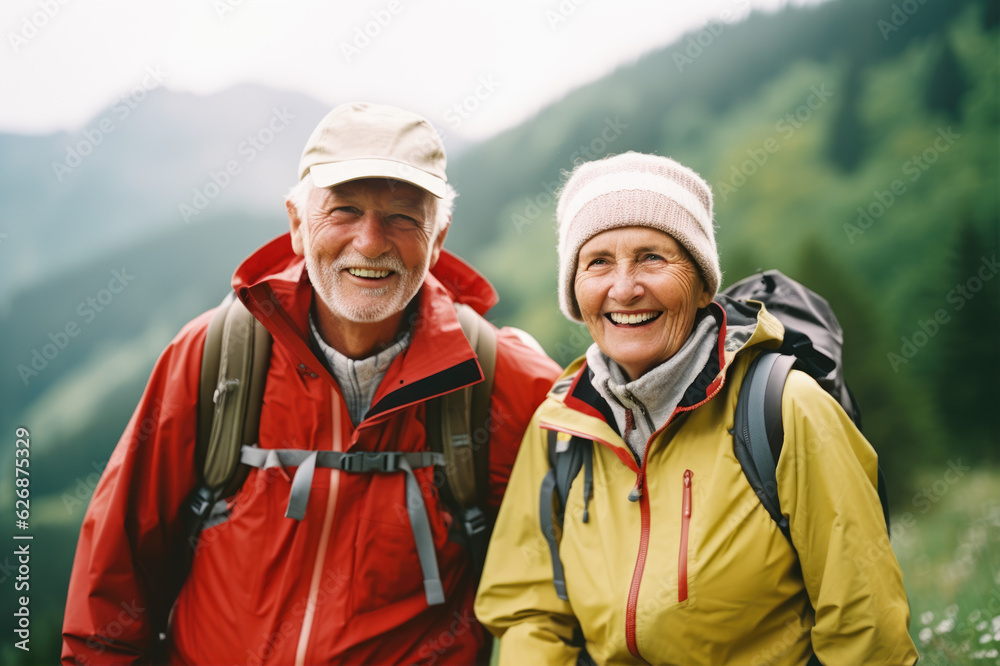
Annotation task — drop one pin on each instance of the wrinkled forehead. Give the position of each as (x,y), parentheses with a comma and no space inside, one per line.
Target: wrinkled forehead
(385,191)
(630,239)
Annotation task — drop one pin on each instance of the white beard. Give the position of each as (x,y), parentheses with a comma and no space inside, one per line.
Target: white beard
(358,304)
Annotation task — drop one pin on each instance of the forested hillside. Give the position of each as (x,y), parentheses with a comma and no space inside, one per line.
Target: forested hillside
(858,158)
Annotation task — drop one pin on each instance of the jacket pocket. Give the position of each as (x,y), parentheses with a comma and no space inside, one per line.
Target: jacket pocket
(682,558)
(387,569)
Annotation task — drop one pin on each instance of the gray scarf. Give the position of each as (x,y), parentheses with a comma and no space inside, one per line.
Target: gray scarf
(642,407)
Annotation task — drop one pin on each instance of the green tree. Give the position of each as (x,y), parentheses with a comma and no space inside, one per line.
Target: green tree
(896,417)
(847,132)
(947,84)
(966,379)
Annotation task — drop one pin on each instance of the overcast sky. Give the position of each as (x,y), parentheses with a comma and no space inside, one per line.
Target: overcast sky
(63,61)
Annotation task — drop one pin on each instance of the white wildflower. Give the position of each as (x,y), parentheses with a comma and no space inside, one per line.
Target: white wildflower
(926,634)
(927,618)
(951,611)
(945,626)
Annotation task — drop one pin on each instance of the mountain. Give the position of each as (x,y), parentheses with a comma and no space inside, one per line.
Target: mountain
(125,175)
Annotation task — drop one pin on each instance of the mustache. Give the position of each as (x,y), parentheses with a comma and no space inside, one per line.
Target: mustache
(388,262)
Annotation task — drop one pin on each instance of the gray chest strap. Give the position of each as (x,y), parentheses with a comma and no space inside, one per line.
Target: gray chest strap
(362,462)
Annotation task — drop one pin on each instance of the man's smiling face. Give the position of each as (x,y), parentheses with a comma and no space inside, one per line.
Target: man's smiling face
(368,245)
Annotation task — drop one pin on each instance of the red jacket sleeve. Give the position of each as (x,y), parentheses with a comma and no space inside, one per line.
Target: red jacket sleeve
(127,571)
(522,379)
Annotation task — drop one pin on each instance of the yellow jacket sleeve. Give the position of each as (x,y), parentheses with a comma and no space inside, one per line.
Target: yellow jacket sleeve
(517,600)
(827,481)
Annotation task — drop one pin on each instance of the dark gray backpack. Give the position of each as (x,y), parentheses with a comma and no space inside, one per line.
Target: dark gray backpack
(813,343)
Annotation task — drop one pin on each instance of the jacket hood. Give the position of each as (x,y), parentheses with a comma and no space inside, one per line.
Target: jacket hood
(274,285)
(276,262)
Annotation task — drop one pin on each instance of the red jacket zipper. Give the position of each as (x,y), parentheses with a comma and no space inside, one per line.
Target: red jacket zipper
(682,558)
(640,564)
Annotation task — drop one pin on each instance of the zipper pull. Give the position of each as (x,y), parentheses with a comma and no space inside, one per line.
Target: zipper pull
(686,505)
(636,492)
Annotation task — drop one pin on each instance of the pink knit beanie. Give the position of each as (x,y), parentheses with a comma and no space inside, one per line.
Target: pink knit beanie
(634,190)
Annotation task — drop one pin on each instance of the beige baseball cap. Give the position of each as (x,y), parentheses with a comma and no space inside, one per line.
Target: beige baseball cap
(360,140)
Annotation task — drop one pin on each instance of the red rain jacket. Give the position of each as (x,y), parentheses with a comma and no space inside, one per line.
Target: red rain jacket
(344,585)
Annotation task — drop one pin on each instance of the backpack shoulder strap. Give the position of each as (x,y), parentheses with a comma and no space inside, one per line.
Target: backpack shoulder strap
(566,458)
(547,511)
(484,342)
(458,425)
(758,432)
(235,361)
(209,379)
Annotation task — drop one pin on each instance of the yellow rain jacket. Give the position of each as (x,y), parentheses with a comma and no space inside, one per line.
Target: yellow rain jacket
(696,571)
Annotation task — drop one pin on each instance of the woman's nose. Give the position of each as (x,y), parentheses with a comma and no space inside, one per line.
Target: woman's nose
(626,288)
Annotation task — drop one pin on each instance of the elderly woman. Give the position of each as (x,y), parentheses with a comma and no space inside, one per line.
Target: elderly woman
(667,554)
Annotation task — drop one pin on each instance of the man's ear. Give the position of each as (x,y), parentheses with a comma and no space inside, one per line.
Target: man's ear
(295,225)
(438,243)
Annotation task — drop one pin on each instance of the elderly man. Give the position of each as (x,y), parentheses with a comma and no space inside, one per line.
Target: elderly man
(360,301)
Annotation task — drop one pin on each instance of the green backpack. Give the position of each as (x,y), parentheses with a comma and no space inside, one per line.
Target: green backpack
(234,368)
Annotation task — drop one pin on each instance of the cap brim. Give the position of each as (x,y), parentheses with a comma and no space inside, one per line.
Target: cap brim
(334,173)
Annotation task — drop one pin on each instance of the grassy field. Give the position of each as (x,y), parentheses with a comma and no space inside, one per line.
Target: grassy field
(950,555)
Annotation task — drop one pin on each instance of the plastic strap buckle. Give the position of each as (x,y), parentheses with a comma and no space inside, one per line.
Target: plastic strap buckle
(371,461)
(474,521)
(202,501)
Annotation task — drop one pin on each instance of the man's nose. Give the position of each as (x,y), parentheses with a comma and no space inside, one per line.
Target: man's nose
(370,238)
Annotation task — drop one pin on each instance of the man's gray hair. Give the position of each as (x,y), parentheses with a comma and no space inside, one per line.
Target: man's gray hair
(299,197)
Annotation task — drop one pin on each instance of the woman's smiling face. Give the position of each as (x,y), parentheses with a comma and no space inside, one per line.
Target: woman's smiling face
(638,292)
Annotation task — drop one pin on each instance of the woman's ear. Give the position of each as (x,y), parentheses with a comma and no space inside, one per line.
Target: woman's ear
(704,298)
